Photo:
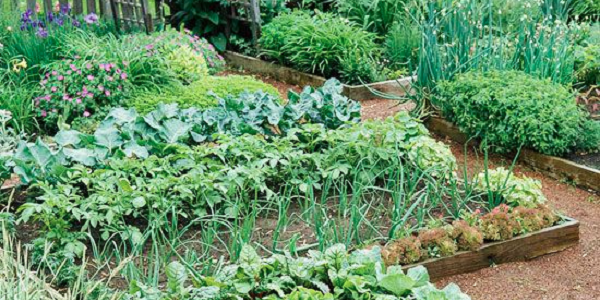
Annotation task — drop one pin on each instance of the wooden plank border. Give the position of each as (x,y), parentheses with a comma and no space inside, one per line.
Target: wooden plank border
(555,167)
(521,248)
(288,75)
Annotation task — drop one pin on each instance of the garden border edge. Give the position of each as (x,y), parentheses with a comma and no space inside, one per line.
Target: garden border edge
(555,167)
(521,248)
(291,76)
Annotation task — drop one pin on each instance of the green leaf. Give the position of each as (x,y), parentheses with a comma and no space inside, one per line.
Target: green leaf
(83,156)
(398,284)
(249,260)
(109,138)
(174,130)
(219,41)
(132,149)
(176,277)
(121,116)
(138,202)
(68,138)
(419,274)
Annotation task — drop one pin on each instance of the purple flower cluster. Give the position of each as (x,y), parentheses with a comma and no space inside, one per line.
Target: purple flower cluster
(79,87)
(30,20)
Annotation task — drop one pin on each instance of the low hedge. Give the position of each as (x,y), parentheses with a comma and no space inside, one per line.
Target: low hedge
(511,108)
(201,94)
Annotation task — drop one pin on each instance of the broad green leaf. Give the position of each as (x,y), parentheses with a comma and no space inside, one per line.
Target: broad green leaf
(174,130)
(109,138)
(138,202)
(249,260)
(83,156)
(121,115)
(68,138)
(132,149)
(398,284)
(419,274)
(176,276)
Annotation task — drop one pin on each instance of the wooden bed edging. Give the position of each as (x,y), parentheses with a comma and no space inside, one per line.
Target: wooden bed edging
(555,167)
(291,76)
(521,248)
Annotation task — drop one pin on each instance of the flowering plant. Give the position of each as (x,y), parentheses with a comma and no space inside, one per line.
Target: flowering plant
(78,88)
(31,21)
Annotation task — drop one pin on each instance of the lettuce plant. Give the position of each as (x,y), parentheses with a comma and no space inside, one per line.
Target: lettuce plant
(526,192)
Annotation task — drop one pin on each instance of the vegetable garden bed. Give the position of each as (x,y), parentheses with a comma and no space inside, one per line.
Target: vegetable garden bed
(291,76)
(520,248)
(555,167)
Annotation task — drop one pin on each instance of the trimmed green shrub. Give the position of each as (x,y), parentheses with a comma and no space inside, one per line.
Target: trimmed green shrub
(511,108)
(201,94)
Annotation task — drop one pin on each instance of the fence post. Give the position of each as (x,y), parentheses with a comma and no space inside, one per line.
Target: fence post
(77,7)
(91,6)
(255,21)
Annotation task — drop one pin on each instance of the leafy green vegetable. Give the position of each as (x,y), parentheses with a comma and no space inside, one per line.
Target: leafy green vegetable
(126,134)
(514,191)
(279,279)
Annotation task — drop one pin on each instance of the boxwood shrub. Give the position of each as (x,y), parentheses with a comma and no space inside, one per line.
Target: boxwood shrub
(201,94)
(511,108)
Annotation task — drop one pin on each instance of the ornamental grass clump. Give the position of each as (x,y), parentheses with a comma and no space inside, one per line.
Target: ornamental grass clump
(323,44)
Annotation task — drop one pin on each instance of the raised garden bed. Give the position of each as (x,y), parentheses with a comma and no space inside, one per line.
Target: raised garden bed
(555,167)
(521,248)
(288,75)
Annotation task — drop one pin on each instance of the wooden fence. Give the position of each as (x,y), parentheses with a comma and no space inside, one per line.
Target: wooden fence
(127,14)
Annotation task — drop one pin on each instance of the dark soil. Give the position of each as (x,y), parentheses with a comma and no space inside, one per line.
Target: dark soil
(591,160)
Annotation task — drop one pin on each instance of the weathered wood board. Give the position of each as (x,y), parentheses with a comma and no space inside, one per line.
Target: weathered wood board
(398,87)
(521,248)
(555,167)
